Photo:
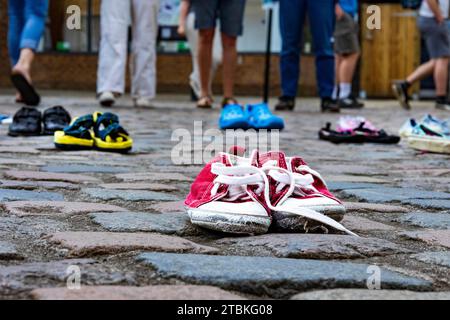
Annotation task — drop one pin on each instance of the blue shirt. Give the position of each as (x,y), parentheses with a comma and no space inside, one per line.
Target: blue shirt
(349,6)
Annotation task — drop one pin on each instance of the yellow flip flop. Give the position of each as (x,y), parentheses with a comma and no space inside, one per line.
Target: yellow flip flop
(109,135)
(77,136)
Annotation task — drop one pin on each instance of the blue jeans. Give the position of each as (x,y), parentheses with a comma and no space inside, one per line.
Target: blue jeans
(26,25)
(322,19)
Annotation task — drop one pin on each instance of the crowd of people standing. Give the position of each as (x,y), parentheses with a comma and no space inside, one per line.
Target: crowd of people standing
(212,28)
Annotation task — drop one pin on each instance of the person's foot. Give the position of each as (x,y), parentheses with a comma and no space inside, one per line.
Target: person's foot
(107,99)
(23,70)
(443,105)
(400,90)
(350,103)
(205,102)
(19,98)
(285,104)
(143,103)
(229,101)
(329,105)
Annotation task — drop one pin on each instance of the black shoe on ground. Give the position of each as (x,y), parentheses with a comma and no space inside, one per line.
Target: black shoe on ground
(443,105)
(26,122)
(329,105)
(328,134)
(55,119)
(350,103)
(285,104)
(400,90)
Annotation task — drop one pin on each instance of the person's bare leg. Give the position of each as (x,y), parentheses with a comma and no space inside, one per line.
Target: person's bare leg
(229,64)
(422,72)
(441,76)
(205,45)
(24,64)
(347,68)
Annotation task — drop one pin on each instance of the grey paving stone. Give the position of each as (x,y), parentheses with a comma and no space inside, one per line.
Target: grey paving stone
(129,195)
(263,275)
(312,246)
(8,251)
(20,278)
(441,258)
(390,194)
(433,237)
(429,203)
(159,292)
(32,185)
(166,223)
(77,168)
(24,195)
(364,294)
(427,220)
(339,186)
(50,176)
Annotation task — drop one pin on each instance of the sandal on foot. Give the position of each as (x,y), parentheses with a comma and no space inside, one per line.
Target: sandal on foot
(29,95)
(77,136)
(205,102)
(109,135)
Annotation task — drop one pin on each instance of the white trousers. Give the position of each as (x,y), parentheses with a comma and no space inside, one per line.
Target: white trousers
(116,16)
(193,38)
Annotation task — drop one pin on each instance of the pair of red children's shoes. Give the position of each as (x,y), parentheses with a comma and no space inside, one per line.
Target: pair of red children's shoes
(240,195)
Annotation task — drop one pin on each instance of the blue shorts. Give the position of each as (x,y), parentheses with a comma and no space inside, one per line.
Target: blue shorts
(229,12)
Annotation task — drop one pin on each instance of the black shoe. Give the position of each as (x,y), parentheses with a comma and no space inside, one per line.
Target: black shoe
(330,105)
(28,93)
(443,105)
(379,136)
(339,137)
(350,103)
(285,104)
(401,93)
(55,119)
(26,122)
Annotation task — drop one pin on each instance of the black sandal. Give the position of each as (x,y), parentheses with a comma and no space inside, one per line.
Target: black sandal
(27,122)
(55,119)
(29,95)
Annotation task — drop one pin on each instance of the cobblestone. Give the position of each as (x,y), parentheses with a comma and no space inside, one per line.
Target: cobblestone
(127,213)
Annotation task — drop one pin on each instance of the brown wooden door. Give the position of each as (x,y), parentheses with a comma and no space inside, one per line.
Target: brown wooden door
(390,53)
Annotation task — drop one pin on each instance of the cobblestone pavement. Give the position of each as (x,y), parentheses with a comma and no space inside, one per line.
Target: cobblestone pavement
(120,220)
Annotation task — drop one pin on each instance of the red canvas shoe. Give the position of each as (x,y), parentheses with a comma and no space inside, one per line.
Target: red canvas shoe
(300,195)
(227,196)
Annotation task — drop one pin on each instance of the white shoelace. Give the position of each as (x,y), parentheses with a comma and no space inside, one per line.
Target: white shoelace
(239,177)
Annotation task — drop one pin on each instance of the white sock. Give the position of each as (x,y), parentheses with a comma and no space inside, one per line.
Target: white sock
(345,89)
(334,96)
